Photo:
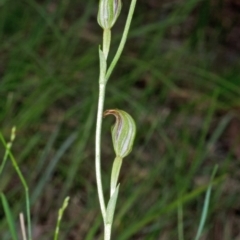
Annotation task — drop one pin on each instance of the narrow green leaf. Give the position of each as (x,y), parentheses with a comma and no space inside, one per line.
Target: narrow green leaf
(7,147)
(115,174)
(123,40)
(111,206)
(103,66)
(60,214)
(206,205)
(9,217)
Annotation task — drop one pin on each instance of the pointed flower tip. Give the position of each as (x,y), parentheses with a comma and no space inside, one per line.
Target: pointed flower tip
(123,132)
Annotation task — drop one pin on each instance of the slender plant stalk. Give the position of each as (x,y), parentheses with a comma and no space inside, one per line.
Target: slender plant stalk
(22,224)
(106,41)
(60,214)
(123,40)
(25,186)
(98,148)
(107,231)
(7,148)
(103,77)
(115,173)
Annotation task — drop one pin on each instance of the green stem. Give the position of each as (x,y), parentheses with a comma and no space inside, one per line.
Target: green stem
(8,146)
(123,40)
(101,97)
(114,179)
(103,77)
(115,174)
(107,231)
(60,214)
(25,186)
(102,86)
(106,42)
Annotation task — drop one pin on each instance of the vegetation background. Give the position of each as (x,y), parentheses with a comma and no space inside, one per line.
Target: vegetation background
(178,77)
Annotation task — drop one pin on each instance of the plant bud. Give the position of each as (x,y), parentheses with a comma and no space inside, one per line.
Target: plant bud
(123,132)
(108,12)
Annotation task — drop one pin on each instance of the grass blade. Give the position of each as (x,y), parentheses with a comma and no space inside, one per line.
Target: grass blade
(180,221)
(206,205)
(24,183)
(60,214)
(7,148)
(9,217)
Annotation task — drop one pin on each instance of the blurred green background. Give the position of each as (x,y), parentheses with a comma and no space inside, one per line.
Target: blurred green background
(179,77)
